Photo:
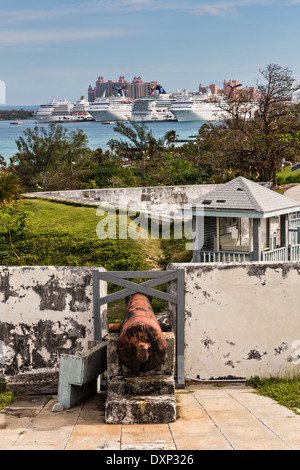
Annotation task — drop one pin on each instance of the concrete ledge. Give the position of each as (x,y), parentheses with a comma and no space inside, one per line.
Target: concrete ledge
(35,383)
(78,375)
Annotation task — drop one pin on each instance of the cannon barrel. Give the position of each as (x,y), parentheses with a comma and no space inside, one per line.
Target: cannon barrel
(141,344)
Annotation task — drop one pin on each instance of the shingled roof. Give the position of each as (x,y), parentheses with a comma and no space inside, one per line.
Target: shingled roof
(243,195)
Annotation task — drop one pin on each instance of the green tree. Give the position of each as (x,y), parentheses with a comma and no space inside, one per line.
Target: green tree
(254,147)
(10,191)
(138,146)
(107,169)
(50,153)
(2,161)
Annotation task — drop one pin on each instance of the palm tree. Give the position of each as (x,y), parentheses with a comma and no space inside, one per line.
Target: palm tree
(140,144)
(10,188)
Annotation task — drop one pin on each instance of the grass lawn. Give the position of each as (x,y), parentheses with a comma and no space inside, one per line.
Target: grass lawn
(285,391)
(64,234)
(50,215)
(6,397)
(80,222)
(286,176)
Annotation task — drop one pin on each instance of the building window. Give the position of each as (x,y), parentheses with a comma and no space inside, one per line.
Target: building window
(234,234)
(265,233)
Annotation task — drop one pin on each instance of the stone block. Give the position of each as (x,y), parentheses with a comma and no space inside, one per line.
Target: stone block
(140,397)
(143,409)
(149,385)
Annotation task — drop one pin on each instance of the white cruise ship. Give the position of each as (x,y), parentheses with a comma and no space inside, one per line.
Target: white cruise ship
(206,107)
(296,92)
(202,107)
(45,111)
(64,111)
(81,110)
(114,108)
(154,108)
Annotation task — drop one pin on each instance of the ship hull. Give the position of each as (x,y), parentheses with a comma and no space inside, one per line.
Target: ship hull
(55,118)
(103,116)
(151,118)
(188,115)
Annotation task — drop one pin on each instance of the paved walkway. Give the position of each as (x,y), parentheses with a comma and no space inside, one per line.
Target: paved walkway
(293,192)
(210,417)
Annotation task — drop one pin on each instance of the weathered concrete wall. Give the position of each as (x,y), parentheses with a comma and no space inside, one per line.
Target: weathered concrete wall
(159,199)
(155,199)
(44,312)
(241,320)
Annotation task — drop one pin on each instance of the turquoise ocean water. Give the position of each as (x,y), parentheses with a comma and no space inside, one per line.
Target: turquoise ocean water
(98,134)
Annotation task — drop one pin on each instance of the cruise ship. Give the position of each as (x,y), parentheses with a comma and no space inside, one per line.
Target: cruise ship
(154,108)
(114,108)
(296,92)
(202,107)
(64,111)
(81,110)
(45,111)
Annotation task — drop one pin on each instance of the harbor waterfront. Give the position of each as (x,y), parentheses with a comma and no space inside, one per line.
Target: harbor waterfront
(97,134)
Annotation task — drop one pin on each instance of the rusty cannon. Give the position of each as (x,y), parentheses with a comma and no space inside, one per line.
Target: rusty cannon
(141,345)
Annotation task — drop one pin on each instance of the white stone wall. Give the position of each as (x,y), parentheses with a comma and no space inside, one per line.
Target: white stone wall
(44,312)
(241,320)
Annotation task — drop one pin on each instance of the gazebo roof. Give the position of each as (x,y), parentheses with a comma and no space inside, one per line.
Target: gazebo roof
(244,198)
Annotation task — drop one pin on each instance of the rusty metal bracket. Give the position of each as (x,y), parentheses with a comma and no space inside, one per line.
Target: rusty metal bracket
(156,278)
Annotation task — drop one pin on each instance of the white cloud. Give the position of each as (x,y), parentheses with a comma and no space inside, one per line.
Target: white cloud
(227,8)
(213,8)
(16,38)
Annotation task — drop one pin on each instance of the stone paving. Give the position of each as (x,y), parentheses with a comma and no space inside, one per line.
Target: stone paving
(209,417)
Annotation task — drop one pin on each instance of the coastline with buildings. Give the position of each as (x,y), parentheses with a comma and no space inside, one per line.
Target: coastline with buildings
(120,100)
(138,89)
(136,92)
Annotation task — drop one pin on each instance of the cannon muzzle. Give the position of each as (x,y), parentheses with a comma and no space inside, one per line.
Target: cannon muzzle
(141,344)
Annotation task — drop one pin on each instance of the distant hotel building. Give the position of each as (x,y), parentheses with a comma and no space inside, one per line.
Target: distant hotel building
(227,89)
(213,88)
(135,89)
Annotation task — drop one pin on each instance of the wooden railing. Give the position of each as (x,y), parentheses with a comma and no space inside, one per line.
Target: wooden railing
(295,253)
(291,253)
(221,257)
(294,223)
(279,254)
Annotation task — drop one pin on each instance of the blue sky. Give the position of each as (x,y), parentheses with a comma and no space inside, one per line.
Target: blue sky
(58,48)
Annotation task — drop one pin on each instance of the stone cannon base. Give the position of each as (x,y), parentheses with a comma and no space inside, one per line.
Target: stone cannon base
(147,397)
(146,409)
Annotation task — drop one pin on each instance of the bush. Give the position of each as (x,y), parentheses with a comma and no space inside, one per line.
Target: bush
(287,178)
